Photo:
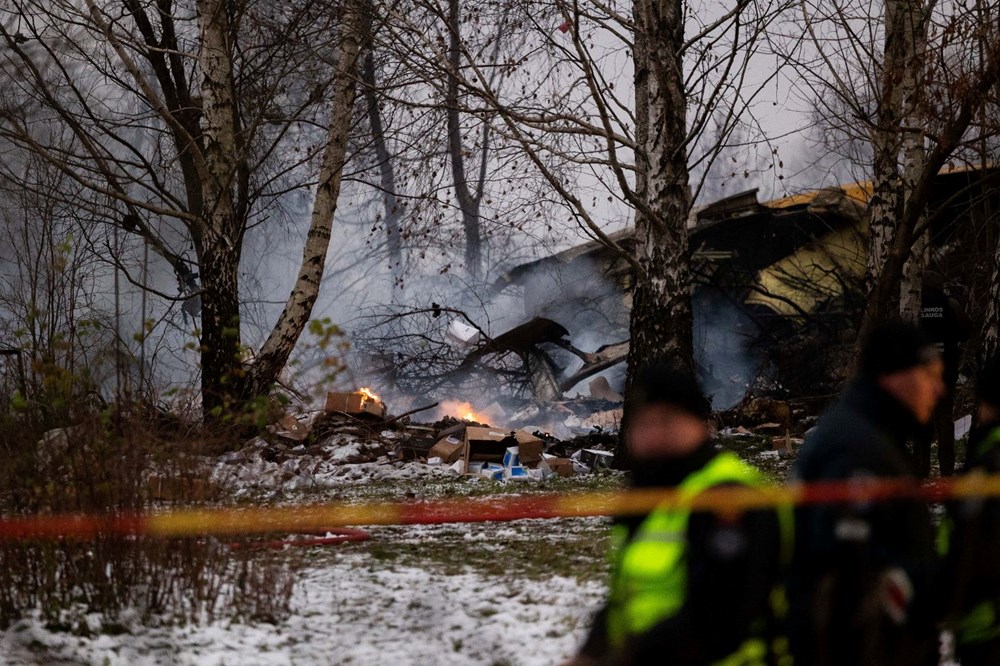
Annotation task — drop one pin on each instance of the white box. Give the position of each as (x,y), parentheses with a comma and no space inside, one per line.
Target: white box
(492,471)
(517,473)
(460,334)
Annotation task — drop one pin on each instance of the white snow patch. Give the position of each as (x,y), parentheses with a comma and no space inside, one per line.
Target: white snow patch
(356,611)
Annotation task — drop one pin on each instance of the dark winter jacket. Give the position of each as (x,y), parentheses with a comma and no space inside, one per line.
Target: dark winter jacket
(843,552)
(732,566)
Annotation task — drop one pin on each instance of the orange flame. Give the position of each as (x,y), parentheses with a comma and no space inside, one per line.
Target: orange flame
(461,410)
(368,394)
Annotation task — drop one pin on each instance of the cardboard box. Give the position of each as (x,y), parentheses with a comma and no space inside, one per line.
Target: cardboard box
(557,466)
(290,427)
(449,449)
(460,334)
(354,403)
(529,447)
(484,445)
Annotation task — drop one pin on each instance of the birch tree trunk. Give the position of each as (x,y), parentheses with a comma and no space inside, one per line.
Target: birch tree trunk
(660,320)
(298,309)
(218,244)
(893,188)
(888,190)
(914,157)
(661,309)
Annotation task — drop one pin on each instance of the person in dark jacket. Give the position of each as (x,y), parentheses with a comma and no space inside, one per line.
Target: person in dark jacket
(862,578)
(970,537)
(688,587)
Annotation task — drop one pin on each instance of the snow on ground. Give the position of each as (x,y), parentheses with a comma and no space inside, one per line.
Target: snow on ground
(379,602)
(247,473)
(353,609)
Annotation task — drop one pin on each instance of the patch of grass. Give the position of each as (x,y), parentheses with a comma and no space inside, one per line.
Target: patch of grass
(444,487)
(531,549)
(534,549)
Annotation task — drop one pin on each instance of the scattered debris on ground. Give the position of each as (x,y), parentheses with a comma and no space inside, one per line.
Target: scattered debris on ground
(356,437)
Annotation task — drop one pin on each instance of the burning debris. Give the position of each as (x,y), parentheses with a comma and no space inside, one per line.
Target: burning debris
(360,402)
(356,437)
(355,430)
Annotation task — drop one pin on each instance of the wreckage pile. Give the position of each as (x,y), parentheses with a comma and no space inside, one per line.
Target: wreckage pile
(504,455)
(354,439)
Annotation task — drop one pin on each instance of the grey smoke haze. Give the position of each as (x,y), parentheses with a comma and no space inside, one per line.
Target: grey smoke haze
(357,279)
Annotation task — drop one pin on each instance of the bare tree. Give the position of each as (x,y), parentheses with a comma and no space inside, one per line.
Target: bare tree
(50,312)
(609,148)
(220,92)
(384,160)
(906,78)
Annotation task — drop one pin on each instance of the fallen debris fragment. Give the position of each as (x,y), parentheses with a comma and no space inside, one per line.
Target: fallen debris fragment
(362,401)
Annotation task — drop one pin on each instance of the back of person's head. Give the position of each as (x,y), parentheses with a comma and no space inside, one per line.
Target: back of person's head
(895,346)
(988,382)
(668,383)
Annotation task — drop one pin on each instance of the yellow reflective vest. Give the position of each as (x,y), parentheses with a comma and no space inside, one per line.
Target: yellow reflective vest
(649,582)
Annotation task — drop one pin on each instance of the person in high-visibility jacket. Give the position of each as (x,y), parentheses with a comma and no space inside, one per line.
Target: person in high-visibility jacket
(689,587)
(969,538)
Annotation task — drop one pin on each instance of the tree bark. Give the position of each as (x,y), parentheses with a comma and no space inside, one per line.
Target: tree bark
(387,174)
(990,345)
(468,202)
(904,28)
(219,246)
(660,320)
(298,308)
(221,365)
(914,155)
(661,310)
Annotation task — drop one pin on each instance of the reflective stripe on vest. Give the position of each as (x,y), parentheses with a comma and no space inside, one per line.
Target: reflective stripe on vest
(650,575)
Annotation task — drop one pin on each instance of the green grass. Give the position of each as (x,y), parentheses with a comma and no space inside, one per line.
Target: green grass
(531,549)
(534,549)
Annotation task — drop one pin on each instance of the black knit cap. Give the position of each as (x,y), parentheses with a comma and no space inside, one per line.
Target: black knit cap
(667,383)
(988,382)
(895,346)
